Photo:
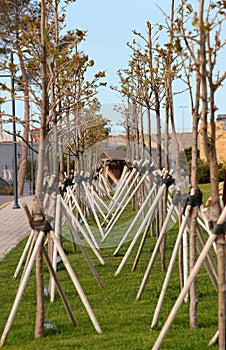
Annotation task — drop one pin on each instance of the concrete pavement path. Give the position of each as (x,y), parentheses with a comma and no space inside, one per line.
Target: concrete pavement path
(14,225)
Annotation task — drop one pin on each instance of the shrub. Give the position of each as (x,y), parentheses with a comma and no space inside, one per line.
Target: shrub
(203,172)
(221,170)
(203,169)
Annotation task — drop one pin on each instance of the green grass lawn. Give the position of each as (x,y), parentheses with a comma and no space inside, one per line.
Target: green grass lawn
(205,188)
(125,322)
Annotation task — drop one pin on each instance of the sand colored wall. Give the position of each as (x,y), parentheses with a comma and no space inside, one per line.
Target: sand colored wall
(220,141)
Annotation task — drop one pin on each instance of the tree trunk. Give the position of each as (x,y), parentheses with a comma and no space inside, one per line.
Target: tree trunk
(136,123)
(158,132)
(181,251)
(23,165)
(221,291)
(149,134)
(193,288)
(39,325)
(37,204)
(24,155)
(142,135)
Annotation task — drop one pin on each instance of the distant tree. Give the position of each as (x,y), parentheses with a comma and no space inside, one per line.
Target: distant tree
(15,22)
(90,129)
(51,61)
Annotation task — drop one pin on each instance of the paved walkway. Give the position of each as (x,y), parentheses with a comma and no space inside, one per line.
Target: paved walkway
(14,225)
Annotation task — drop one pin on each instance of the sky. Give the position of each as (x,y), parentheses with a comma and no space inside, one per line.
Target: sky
(109,26)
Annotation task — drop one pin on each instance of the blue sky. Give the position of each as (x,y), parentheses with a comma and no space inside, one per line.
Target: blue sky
(109,26)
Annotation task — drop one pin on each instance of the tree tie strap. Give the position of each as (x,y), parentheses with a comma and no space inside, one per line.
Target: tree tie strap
(219,229)
(41,225)
(195,200)
(168,181)
(68,182)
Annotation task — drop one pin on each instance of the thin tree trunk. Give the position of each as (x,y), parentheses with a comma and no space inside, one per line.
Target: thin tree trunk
(193,225)
(193,288)
(149,134)
(180,251)
(39,325)
(221,291)
(37,204)
(24,155)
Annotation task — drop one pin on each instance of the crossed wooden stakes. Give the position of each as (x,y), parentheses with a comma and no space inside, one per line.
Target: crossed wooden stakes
(204,254)
(216,234)
(36,242)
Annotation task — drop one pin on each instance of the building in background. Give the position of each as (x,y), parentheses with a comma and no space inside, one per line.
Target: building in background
(6,161)
(220,139)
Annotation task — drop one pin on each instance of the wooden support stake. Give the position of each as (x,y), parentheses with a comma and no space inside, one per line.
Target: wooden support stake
(28,244)
(156,249)
(139,251)
(83,218)
(60,290)
(149,214)
(58,232)
(21,288)
(208,268)
(186,287)
(93,208)
(76,284)
(170,267)
(220,240)
(74,220)
(118,213)
(135,219)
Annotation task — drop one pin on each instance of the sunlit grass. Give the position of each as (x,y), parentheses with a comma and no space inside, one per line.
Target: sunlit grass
(125,322)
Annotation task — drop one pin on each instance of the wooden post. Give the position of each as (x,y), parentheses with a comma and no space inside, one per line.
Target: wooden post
(119,191)
(139,251)
(21,288)
(40,312)
(83,218)
(186,287)
(208,267)
(149,214)
(118,213)
(185,259)
(76,283)
(135,219)
(170,268)
(157,245)
(58,233)
(75,221)
(60,290)
(23,254)
(221,290)
(209,256)
(93,209)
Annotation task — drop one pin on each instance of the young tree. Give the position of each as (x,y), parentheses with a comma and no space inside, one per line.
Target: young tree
(11,37)
(50,62)
(199,59)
